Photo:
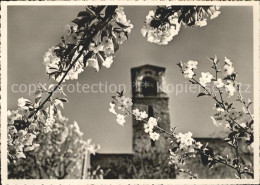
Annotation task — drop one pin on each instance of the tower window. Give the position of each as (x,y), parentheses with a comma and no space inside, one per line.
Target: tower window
(149,86)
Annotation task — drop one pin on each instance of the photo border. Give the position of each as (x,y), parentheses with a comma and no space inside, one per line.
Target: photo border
(5,180)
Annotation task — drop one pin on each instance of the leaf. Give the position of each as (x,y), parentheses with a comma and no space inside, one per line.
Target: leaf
(232,134)
(104,34)
(37,99)
(90,11)
(110,10)
(57,75)
(227,78)
(86,57)
(250,140)
(250,123)
(249,103)
(221,158)
(250,173)
(61,91)
(38,93)
(100,60)
(45,113)
(212,59)
(211,164)
(76,21)
(202,94)
(58,102)
(84,14)
(174,148)
(236,176)
(63,99)
(51,86)
(116,45)
(42,87)
(102,12)
(120,94)
(235,161)
(122,25)
(180,65)
(230,105)
(242,134)
(82,20)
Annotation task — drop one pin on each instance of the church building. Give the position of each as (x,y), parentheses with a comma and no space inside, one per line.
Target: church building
(149,159)
(147,95)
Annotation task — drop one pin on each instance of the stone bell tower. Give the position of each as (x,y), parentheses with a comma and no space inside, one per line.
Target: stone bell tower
(148,95)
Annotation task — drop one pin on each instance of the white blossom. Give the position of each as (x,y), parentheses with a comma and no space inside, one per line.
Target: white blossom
(12,130)
(112,108)
(201,23)
(191,64)
(215,14)
(205,78)
(94,48)
(139,115)
(30,148)
(228,70)
(28,140)
(230,88)
(108,46)
(154,136)
(124,102)
(162,34)
(219,83)
(185,140)
(199,145)
(76,128)
(108,62)
(120,119)
(22,103)
(214,11)
(92,62)
(152,122)
(228,61)
(188,73)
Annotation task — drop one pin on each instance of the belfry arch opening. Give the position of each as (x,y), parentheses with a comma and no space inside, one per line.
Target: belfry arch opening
(149,86)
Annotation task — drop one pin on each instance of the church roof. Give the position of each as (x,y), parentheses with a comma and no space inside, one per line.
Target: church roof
(149,66)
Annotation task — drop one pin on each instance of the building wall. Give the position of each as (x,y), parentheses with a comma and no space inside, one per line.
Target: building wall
(160,110)
(219,171)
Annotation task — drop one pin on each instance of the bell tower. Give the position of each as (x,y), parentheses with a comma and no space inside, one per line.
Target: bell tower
(148,95)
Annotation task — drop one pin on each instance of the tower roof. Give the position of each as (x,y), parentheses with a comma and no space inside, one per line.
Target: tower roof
(148,66)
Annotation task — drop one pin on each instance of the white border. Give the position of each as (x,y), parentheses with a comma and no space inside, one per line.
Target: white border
(4,5)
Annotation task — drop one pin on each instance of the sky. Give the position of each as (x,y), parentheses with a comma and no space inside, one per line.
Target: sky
(34,29)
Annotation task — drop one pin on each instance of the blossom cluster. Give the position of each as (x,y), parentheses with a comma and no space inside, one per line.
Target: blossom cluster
(21,132)
(162,34)
(164,23)
(149,126)
(120,106)
(238,122)
(95,52)
(183,146)
(56,69)
(201,16)
(225,118)
(188,70)
(64,143)
(62,147)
